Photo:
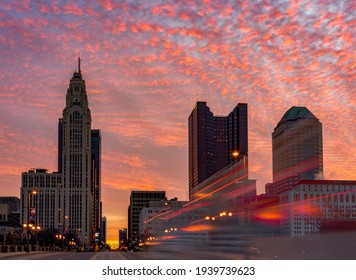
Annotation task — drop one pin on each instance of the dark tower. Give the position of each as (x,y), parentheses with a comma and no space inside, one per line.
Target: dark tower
(213,140)
(96,176)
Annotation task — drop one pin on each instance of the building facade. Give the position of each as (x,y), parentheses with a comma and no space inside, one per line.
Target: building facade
(9,216)
(12,201)
(4,212)
(312,203)
(297,149)
(40,198)
(138,200)
(213,141)
(60,145)
(96,177)
(103,229)
(122,236)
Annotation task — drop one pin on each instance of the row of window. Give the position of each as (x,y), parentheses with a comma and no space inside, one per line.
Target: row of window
(346,198)
(328,188)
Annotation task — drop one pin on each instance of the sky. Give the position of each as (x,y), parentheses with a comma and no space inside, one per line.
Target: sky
(146,64)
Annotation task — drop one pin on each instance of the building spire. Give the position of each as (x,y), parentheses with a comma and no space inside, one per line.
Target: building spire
(79,64)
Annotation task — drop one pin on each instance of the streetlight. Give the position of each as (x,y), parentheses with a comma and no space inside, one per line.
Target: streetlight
(222,214)
(236,154)
(31,214)
(31,218)
(61,238)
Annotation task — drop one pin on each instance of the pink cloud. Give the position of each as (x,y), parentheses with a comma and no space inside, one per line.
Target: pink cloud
(164,10)
(73,9)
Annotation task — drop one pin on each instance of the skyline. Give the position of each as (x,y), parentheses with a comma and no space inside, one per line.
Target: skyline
(146,65)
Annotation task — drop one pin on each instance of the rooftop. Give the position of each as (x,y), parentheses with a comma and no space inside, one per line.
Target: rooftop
(296,113)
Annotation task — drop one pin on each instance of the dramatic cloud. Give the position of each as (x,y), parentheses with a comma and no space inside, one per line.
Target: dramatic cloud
(146,63)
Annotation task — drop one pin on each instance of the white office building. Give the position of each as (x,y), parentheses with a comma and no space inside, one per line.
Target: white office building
(311,203)
(39,198)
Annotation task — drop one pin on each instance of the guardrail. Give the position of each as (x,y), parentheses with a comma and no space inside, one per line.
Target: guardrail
(22,248)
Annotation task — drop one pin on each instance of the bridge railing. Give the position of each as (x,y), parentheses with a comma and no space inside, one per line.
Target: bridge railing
(22,248)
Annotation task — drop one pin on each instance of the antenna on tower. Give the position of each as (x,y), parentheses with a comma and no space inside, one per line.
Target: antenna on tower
(79,63)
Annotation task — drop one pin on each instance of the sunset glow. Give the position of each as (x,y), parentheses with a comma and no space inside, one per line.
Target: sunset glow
(146,63)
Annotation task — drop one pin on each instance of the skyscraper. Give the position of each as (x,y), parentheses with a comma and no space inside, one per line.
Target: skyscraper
(77,196)
(297,149)
(68,200)
(213,140)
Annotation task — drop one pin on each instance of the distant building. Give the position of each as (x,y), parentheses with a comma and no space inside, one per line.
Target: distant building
(4,212)
(12,201)
(138,200)
(311,203)
(213,141)
(9,216)
(96,177)
(297,149)
(103,229)
(269,188)
(122,236)
(4,227)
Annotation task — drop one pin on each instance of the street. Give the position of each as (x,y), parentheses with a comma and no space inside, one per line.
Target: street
(333,246)
(115,255)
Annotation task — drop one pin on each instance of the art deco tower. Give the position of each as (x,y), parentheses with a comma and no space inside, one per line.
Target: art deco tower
(76,203)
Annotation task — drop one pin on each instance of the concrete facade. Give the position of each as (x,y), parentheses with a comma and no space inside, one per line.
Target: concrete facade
(40,191)
(313,202)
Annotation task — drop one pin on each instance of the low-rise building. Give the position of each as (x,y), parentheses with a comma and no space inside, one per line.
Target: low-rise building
(162,217)
(313,202)
(12,201)
(40,203)
(122,236)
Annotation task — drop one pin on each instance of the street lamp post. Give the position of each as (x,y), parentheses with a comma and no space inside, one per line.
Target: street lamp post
(29,216)
(29,224)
